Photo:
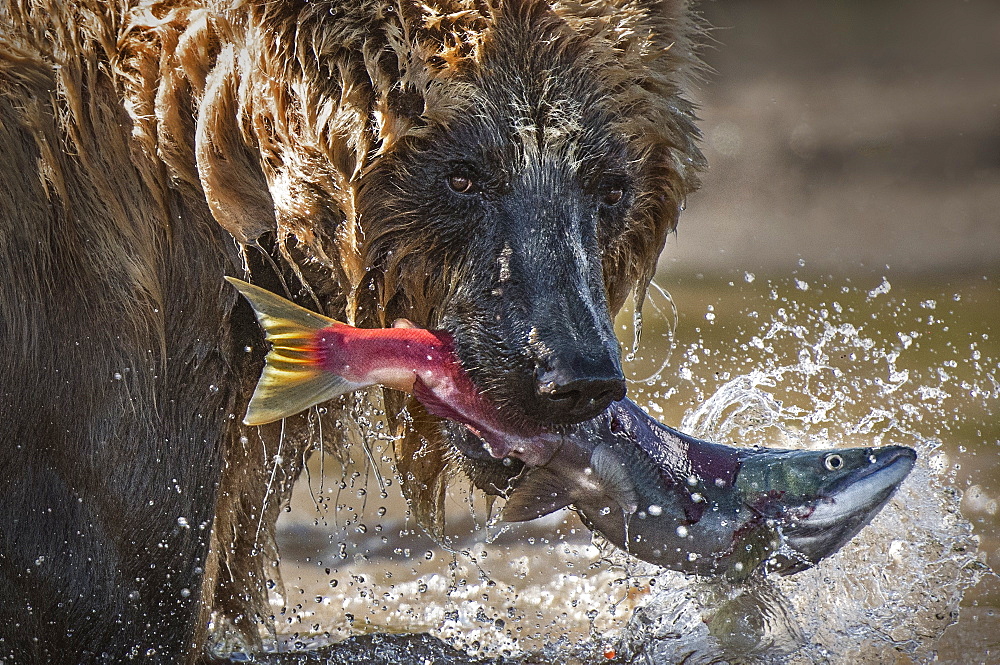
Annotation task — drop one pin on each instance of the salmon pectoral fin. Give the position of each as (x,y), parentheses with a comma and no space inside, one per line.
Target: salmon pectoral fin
(539,493)
(613,477)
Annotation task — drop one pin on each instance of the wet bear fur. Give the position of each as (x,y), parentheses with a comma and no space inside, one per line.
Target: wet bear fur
(321,149)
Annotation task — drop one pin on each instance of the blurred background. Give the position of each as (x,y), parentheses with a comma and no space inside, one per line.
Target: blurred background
(851,134)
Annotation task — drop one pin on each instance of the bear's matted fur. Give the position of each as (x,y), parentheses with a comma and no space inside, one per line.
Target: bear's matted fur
(505,169)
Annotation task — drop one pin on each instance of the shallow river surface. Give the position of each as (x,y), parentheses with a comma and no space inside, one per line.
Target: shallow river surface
(803,360)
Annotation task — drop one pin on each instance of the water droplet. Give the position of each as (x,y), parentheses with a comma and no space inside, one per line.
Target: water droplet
(881,289)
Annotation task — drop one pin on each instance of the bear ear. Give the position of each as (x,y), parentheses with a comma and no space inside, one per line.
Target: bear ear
(230,173)
(406,102)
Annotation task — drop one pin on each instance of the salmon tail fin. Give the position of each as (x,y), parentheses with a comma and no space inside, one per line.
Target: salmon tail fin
(280,317)
(291,380)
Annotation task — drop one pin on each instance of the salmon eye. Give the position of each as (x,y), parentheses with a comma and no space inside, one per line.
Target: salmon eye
(833,462)
(461,184)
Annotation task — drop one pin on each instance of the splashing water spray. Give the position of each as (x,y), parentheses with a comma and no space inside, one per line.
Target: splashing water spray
(791,363)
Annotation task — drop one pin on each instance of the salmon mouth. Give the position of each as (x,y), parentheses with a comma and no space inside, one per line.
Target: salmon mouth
(865,491)
(844,509)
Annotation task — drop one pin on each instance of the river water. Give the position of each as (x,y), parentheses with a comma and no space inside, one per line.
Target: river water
(803,360)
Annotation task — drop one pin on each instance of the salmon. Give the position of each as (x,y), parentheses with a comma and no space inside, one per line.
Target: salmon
(659,494)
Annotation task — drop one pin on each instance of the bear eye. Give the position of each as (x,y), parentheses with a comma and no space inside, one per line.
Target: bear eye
(613,196)
(612,188)
(833,462)
(461,184)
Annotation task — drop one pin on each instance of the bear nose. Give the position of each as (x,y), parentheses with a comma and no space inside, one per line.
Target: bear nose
(568,396)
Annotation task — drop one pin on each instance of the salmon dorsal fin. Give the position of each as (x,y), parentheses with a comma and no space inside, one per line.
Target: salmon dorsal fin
(539,493)
(291,381)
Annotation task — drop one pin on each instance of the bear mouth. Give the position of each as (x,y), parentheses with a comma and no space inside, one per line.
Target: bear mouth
(562,382)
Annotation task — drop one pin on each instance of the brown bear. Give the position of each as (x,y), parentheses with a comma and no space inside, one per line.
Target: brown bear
(505,169)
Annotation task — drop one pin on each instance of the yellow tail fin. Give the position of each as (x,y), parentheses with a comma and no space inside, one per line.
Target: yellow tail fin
(290,381)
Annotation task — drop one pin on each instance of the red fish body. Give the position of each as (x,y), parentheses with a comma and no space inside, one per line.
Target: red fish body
(392,357)
(314,358)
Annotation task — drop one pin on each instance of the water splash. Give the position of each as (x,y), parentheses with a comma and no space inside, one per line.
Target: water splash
(663,329)
(777,365)
(895,589)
